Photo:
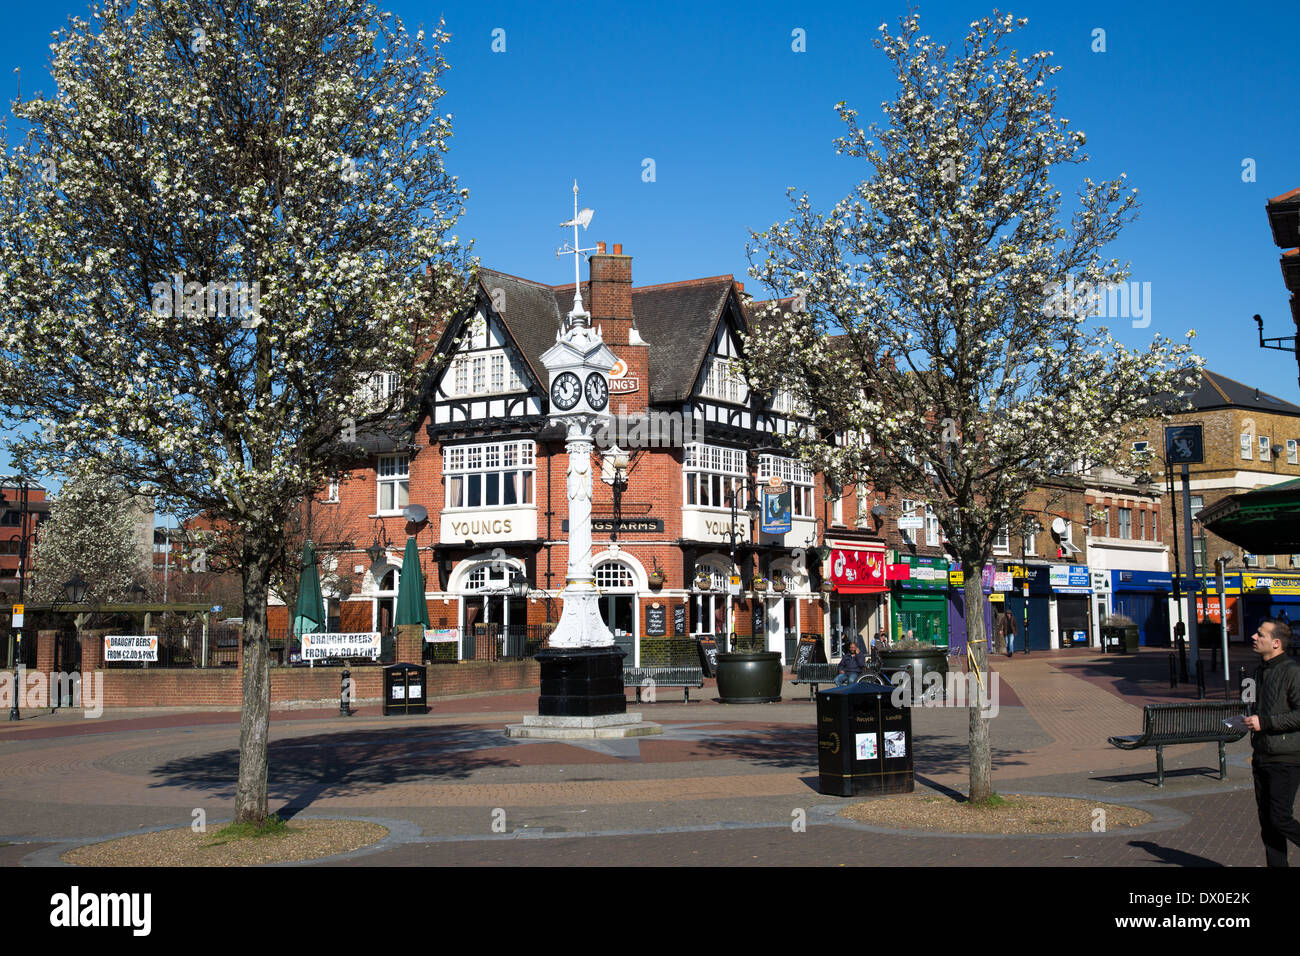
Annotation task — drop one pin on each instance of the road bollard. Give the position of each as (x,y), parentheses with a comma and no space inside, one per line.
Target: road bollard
(345,694)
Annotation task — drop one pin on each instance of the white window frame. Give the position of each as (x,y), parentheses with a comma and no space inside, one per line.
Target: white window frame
(1292,453)
(932,538)
(468,472)
(724,381)
(1247,446)
(1123,532)
(710,473)
(1002,542)
(1265,448)
(332,492)
(398,478)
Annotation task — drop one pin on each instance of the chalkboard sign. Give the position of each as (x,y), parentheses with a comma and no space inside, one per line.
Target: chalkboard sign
(679,620)
(810,652)
(708,656)
(758,619)
(656,620)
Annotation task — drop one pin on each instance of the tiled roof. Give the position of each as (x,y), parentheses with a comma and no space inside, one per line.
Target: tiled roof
(677,321)
(1218,391)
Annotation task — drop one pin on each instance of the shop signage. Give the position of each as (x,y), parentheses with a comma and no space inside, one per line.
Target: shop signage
(1274,583)
(320,647)
(1069,579)
(911,523)
(130,647)
(776,509)
(656,620)
(620,383)
(1002,580)
(621,526)
(441,635)
(854,569)
(924,571)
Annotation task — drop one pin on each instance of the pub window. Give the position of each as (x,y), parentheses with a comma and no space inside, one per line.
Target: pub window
(499,474)
(394,481)
(711,474)
(1291,454)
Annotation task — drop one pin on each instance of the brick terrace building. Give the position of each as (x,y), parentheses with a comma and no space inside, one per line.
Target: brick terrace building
(485,463)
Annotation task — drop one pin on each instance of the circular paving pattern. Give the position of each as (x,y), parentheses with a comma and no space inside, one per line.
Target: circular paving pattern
(1016,815)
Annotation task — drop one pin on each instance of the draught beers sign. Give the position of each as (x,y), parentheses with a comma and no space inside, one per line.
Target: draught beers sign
(320,647)
(131,647)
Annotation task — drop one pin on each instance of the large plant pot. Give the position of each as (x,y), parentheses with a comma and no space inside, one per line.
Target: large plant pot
(917,663)
(749,678)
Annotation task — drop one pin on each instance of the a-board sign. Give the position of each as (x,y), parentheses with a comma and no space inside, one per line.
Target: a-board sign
(679,620)
(809,652)
(656,620)
(708,656)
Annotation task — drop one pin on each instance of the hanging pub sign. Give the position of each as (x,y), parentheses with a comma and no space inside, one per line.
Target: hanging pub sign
(776,507)
(1184,445)
(656,620)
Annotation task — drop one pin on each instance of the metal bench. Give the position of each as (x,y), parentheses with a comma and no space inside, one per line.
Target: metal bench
(814,674)
(683,677)
(1200,722)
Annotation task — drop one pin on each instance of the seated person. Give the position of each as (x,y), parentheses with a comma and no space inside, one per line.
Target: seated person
(851,665)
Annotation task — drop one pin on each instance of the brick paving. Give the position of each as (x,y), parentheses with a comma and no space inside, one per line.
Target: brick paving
(720,786)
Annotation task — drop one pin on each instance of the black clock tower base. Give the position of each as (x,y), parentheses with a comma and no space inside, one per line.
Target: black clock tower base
(581,682)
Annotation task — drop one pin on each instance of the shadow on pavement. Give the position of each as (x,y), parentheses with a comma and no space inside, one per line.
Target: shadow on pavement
(301,769)
(1171,856)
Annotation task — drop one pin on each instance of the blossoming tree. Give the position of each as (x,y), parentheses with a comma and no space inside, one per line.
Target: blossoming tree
(227,246)
(922,319)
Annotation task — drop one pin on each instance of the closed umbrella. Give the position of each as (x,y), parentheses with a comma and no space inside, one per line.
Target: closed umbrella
(411,608)
(309,614)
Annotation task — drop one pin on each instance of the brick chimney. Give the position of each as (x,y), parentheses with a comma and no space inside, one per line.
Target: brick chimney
(611,293)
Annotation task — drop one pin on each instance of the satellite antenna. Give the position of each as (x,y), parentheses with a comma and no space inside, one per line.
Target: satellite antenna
(415,513)
(1058,526)
(580,218)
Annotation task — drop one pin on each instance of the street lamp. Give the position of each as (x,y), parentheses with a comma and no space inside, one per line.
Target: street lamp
(75,590)
(750,487)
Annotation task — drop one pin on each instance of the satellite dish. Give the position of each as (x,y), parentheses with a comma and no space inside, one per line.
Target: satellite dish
(1058,526)
(415,513)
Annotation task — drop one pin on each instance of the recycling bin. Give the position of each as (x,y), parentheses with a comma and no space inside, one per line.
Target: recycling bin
(406,689)
(864,742)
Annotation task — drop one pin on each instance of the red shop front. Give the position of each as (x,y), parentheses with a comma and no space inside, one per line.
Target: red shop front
(859,595)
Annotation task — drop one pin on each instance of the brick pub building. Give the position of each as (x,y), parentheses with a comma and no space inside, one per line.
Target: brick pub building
(675,507)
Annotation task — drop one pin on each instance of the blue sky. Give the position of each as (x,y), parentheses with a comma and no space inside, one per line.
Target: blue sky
(731,116)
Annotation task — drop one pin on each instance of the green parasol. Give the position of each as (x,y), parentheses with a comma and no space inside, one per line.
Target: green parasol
(309,614)
(411,608)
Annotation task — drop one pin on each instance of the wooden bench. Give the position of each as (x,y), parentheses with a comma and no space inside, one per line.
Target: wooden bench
(1199,722)
(683,677)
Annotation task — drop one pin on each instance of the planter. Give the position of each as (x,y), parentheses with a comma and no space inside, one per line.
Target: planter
(749,678)
(917,663)
(1124,639)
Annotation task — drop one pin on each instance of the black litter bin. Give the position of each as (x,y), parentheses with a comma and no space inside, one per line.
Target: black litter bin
(864,741)
(406,689)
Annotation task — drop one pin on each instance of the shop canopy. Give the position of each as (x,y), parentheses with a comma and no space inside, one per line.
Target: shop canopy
(1264,521)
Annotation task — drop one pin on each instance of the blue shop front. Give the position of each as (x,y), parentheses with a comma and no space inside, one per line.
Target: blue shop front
(1144,597)
(1072,587)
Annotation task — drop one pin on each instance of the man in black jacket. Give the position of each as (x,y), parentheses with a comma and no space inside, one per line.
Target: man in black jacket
(1275,738)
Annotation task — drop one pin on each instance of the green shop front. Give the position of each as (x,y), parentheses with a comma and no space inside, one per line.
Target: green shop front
(919,599)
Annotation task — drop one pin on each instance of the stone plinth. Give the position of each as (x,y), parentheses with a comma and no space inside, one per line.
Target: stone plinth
(584,728)
(581,682)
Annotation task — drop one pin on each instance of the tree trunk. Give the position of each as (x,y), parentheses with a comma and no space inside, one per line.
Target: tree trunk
(981,761)
(255,718)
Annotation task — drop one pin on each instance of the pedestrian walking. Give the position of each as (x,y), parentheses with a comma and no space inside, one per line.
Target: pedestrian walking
(1007,629)
(1275,739)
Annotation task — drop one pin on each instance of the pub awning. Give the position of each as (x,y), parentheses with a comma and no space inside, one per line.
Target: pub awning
(1264,521)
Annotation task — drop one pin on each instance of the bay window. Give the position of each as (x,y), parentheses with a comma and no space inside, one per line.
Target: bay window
(496,474)
(793,474)
(711,474)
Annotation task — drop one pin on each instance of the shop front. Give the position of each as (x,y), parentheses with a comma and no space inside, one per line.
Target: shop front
(1072,590)
(858,594)
(919,599)
(1269,595)
(1143,596)
(1039,625)
(957,629)
(1252,607)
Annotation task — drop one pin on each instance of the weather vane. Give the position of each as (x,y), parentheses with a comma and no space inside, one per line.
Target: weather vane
(583,219)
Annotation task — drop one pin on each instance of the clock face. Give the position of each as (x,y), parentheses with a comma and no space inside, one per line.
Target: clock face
(565,391)
(597,391)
